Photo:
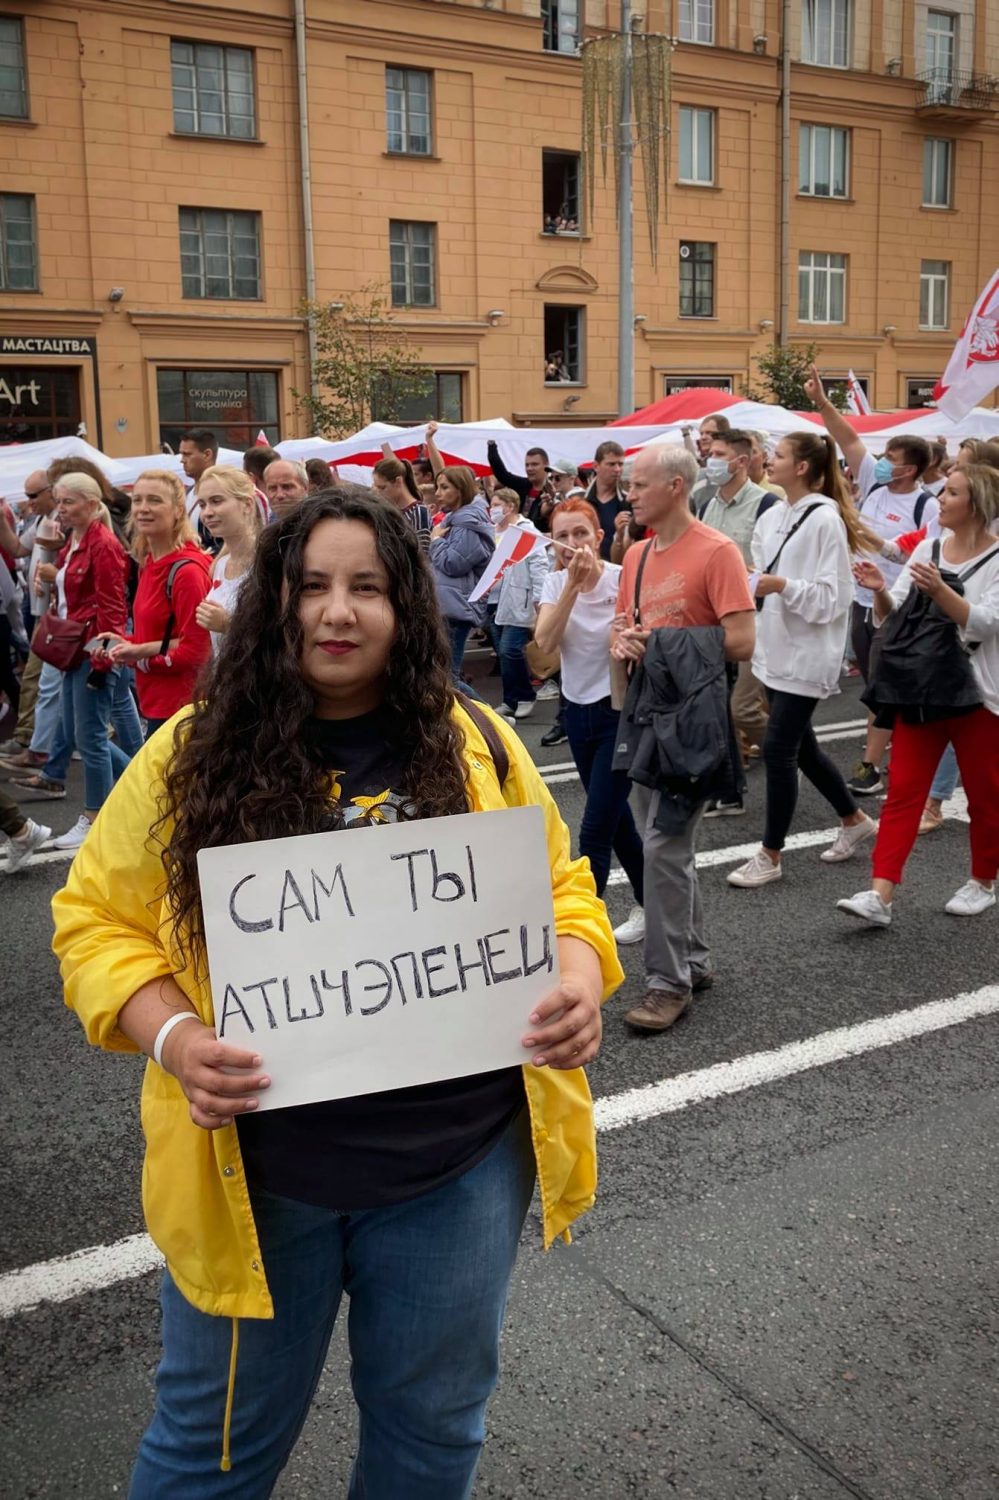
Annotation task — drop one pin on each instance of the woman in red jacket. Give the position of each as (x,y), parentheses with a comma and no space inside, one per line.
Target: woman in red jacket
(174,577)
(90,575)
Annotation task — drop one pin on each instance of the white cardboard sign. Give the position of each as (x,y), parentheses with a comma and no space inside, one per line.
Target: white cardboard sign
(376,958)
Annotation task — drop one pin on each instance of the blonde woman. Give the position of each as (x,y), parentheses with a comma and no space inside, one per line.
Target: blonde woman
(167,646)
(229,513)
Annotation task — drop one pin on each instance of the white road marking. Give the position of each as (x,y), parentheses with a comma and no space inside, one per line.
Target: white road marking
(104,1265)
(636,1105)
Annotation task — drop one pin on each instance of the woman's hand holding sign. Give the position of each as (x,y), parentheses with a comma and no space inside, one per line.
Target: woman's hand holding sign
(219,1080)
(566,1024)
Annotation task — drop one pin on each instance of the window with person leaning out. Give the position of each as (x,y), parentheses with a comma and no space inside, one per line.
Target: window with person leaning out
(337,711)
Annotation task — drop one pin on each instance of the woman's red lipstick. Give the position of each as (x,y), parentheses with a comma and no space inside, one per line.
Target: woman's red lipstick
(337,648)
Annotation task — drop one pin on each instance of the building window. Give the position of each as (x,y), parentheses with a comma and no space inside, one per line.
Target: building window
(563,345)
(934,294)
(13,74)
(18,251)
(412,257)
(825,33)
(219,253)
(212,90)
(838,387)
(697,279)
(697,145)
(440,399)
(941,56)
(234,404)
(919,392)
(560,19)
(823,161)
(938,157)
(38,403)
(697,21)
(560,191)
(674,384)
(407,111)
(821,287)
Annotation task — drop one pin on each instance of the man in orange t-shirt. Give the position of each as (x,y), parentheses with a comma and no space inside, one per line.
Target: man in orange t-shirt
(692,576)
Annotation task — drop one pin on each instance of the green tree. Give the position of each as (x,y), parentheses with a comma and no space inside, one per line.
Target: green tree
(365,366)
(783,370)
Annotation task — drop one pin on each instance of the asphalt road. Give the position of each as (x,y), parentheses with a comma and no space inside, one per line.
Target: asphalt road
(787,1290)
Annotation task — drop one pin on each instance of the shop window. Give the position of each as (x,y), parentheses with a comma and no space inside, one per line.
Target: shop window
(234,404)
(440,399)
(561,22)
(13,71)
(220,254)
(674,384)
(38,403)
(412,259)
(564,345)
(407,111)
(560,191)
(697,279)
(18,250)
(919,392)
(213,90)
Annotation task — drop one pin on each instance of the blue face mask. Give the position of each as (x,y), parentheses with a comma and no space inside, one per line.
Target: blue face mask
(884,471)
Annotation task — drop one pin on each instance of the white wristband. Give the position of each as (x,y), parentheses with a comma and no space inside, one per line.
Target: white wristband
(165,1030)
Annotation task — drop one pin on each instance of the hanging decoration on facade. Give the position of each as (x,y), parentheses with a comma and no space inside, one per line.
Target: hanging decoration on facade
(626,99)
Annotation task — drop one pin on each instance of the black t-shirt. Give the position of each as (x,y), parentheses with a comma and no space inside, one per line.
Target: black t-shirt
(608,511)
(376,1149)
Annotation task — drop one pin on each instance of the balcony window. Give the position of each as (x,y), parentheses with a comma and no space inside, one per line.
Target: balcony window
(697,279)
(407,111)
(560,192)
(821,287)
(561,22)
(697,21)
(213,90)
(938,157)
(697,146)
(934,294)
(825,33)
(823,161)
(220,254)
(563,345)
(13,72)
(18,248)
(412,258)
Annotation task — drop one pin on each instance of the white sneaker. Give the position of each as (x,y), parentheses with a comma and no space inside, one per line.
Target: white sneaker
(548,690)
(760,870)
(868,906)
(632,930)
(849,840)
(524,709)
(506,714)
(74,837)
(21,849)
(971,900)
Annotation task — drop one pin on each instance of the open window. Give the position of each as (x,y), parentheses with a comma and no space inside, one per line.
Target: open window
(563,345)
(560,192)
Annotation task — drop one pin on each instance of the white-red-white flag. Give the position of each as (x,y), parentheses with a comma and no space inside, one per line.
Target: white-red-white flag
(856,400)
(261,440)
(972,371)
(514,545)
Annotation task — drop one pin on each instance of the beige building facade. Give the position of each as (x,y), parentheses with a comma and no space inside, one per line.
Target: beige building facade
(155,244)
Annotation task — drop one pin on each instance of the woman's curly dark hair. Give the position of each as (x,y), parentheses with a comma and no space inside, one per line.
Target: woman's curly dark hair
(246,763)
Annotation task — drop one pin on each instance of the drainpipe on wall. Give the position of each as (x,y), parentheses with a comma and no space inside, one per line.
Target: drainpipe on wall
(306,168)
(783,316)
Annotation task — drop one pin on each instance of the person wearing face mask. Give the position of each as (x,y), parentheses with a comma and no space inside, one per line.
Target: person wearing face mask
(734,509)
(536,490)
(893,498)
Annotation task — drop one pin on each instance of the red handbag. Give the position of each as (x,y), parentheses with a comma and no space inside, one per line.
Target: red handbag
(60,642)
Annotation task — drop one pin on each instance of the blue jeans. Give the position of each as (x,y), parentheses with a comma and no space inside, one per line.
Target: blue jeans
(458,634)
(607,819)
(513,664)
(945,780)
(86,716)
(48,709)
(427,1282)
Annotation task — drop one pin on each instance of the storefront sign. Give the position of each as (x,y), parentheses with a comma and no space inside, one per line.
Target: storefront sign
(16,344)
(376,958)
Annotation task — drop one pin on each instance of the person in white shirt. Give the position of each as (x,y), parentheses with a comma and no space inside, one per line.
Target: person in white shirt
(578,603)
(227,500)
(801,548)
(893,499)
(969,549)
(517,594)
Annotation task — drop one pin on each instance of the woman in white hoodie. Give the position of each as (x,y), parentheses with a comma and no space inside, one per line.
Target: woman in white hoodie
(802,551)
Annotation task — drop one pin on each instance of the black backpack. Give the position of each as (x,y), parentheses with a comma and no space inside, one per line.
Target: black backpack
(919,668)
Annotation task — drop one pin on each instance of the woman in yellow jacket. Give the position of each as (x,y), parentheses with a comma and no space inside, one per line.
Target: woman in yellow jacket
(330,706)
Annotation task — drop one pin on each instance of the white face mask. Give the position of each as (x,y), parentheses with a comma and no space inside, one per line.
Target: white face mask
(496,513)
(717,470)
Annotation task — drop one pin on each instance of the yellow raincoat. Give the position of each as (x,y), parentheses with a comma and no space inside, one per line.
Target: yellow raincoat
(114,934)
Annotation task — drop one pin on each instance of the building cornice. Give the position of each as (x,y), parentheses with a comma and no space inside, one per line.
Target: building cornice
(239,325)
(178,15)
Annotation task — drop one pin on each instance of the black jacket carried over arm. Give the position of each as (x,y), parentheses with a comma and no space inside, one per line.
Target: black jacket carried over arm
(676,734)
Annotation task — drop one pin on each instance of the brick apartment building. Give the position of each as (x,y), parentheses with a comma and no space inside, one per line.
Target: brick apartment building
(154,240)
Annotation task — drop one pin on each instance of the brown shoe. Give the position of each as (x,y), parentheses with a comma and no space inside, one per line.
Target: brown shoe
(699,982)
(24,760)
(658,1010)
